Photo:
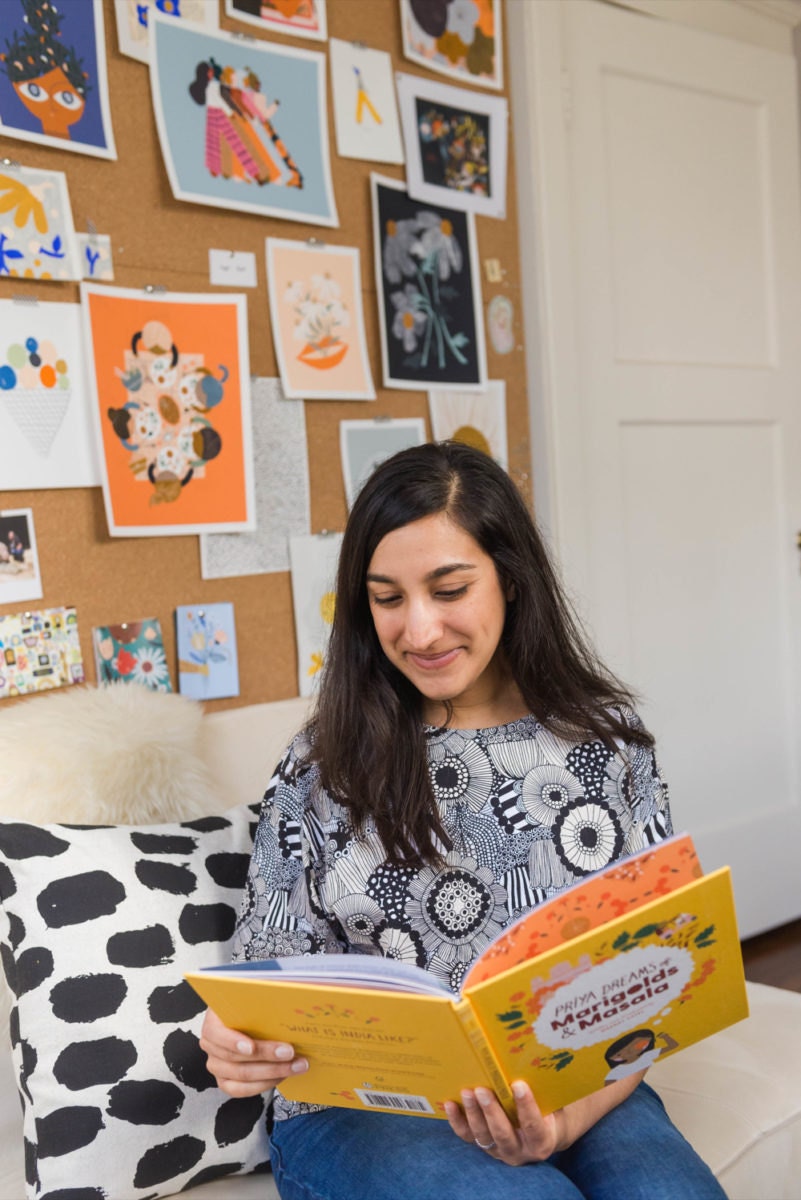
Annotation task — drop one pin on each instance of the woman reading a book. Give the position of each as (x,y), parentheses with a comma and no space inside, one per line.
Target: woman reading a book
(468,758)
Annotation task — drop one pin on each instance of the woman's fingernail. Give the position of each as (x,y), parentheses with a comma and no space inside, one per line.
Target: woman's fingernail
(282,1050)
(520,1089)
(468,1100)
(244,1047)
(484,1097)
(300,1064)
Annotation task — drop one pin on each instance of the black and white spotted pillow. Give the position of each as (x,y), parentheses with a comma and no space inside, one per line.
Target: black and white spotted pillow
(98,925)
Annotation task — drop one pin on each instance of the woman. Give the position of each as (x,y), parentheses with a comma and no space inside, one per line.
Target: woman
(469,757)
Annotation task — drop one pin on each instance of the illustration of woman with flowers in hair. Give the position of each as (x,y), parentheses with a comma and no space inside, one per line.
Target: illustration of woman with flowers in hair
(47,76)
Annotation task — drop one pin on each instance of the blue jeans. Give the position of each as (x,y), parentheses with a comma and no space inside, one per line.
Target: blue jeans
(633,1153)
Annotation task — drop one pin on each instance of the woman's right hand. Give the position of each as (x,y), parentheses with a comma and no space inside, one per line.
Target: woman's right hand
(244,1066)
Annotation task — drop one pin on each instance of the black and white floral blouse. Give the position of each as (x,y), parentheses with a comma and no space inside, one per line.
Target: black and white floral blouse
(527,814)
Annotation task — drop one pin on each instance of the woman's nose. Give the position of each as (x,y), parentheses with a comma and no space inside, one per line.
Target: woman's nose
(423,626)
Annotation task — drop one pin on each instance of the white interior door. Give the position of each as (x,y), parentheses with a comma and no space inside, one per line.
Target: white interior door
(668,189)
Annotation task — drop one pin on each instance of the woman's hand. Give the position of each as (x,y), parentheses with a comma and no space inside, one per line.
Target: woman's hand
(481,1120)
(242,1065)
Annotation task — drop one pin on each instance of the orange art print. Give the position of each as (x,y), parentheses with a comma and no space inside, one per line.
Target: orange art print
(172,410)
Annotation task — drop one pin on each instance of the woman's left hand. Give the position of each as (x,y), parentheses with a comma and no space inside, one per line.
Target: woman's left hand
(482,1121)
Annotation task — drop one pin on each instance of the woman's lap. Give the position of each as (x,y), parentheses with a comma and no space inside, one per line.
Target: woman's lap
(634,1153)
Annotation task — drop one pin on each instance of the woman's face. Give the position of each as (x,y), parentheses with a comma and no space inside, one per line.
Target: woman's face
(439,609)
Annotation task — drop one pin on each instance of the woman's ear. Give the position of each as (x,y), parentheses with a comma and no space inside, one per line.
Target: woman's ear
(511,593)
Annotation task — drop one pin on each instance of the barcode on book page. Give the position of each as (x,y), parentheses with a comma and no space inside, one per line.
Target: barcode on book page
(394,1100)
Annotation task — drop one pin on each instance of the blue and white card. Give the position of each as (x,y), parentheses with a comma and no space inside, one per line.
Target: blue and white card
(207,661)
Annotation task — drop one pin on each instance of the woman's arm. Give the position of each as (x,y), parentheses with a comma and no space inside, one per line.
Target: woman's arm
(534,1137)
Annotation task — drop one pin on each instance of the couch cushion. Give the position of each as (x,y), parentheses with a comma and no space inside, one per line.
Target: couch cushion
(98,925)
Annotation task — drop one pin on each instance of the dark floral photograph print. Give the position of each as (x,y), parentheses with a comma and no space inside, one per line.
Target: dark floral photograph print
(429,292)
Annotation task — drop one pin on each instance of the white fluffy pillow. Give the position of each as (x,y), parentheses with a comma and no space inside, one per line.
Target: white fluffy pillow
(115,755)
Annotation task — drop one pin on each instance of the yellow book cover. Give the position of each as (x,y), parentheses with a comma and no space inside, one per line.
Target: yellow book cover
(626,967)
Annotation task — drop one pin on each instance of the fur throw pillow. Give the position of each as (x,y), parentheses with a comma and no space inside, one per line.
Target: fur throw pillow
(120,754)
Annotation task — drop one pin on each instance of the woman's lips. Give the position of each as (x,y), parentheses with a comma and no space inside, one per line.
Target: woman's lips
(433,662)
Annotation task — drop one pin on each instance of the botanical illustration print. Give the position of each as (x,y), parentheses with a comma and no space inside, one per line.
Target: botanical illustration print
(313,564)
(300,18)
(132,652)
(164,422)
(53,85)
(37,237)
(242,123)
(454,147)
(207,663)
(318,327)
(476,418)
(527,814)
(461,38)
(431,331)
(39,650)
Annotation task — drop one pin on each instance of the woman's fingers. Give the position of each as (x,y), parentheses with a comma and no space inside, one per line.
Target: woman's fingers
(245,1066)
(483,1121)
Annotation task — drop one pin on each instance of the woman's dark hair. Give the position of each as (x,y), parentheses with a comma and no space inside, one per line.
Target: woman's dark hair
(367,733)
(636,1035)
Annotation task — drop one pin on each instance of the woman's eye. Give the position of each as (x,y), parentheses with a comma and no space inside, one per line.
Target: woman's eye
(383,601)
(453,594)
(33,92)
(68,99)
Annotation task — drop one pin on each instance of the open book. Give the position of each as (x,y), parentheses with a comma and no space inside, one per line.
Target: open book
(622,969)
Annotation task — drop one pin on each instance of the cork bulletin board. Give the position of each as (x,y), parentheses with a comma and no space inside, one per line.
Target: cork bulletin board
(158,241)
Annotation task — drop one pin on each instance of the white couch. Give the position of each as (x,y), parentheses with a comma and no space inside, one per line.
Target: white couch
(735,1096)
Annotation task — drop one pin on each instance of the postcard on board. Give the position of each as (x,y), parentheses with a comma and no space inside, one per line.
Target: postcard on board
(39,650)
(313,562)
(365,108)
(364,445)
(476,418)
(455,145)
(53,80)
(132,652)
(38,239)
(171,408)
(20,578)
(456,39)
(317,319)
(46,434)
(297,18)
(243,124)
(205,635)
(429,292)
(133,21)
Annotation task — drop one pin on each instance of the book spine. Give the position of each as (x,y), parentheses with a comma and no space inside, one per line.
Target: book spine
(486,1055)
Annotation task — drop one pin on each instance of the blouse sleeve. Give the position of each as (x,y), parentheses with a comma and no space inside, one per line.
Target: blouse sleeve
(280,914)
(650,799)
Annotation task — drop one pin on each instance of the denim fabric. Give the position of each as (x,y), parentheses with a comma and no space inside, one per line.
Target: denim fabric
(633,1153)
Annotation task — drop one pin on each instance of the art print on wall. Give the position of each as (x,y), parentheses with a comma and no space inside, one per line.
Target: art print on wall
(429,292)
(365,108)
(313,562)
(364,445)
(132,652)
(19,562)
(298,18)
(476,418)
(53,81)
(133,21)
(171,409)
(460,38)
(37,235)
(455,145)
(46,435)
(243,125)
(207,663)
(39,650)
(317,319)
(283,507)
(96,259)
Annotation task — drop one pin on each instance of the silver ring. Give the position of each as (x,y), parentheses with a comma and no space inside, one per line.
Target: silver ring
(481,1146)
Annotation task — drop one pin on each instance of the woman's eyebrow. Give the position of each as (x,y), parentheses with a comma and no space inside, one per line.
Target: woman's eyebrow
(437,573)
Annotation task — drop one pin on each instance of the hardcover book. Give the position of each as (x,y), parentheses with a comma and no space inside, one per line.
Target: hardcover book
(624,968)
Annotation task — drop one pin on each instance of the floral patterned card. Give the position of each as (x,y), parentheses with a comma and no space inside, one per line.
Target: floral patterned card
(313,562)
(132,652)
(53,81)
(37,236)
(207,661)
(318,325)
(39,651)
(460,38)
(429,292)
